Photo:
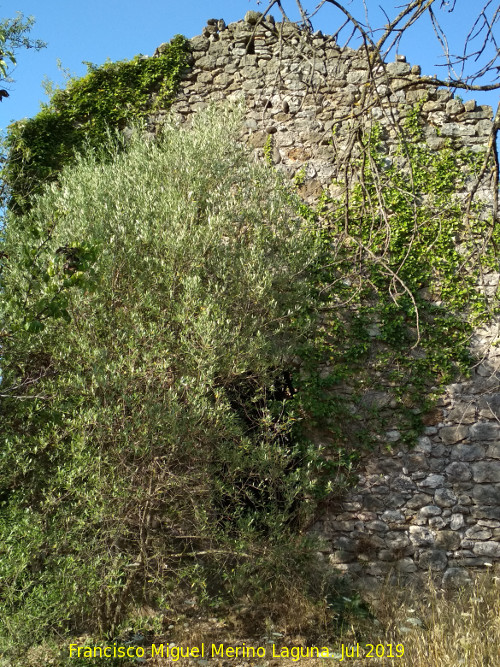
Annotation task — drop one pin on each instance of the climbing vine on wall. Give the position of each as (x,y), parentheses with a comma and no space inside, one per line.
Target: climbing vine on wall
(109,96)
(399,280)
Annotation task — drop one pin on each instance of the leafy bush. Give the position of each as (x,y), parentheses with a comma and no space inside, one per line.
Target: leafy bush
(111,95)
(151,301)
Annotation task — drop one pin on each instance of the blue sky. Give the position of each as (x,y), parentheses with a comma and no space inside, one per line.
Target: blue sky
(96,30)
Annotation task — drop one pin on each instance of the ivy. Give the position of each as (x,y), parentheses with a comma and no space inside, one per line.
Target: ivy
(399,279)
(109,97)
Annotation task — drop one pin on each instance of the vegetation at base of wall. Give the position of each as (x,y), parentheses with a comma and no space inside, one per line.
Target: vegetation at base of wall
(112,95)
(150,449)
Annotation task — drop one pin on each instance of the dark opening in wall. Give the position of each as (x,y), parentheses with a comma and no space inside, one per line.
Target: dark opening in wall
(251,46)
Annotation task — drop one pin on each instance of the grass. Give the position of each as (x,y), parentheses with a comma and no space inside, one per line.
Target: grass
(435,627)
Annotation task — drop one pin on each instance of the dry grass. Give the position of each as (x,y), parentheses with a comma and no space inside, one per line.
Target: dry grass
(460,628)
(437,628)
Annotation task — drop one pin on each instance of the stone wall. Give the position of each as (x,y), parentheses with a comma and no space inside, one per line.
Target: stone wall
(435,506)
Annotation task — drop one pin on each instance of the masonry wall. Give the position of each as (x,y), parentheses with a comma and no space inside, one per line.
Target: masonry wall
(436,506)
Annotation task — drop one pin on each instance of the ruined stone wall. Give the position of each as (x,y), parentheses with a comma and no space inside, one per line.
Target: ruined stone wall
(436,506)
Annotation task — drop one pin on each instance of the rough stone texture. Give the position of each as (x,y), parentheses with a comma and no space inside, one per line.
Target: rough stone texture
(437,506)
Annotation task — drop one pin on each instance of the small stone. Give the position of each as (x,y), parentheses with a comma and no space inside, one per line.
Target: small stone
(470,105)
(452,434)
(457,521)
(429,510)
(490,549)
(252,17)
(396,539)
(445,498)
(448,540)
(432,481)
(421,536)
(456,577)
(478,533)
(433,559)
(458,472)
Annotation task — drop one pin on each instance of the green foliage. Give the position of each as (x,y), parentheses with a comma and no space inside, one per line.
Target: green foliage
(110,96)
(399,277)
(14,36)
(150,302)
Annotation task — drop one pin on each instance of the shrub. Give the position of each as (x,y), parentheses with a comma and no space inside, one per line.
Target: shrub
(151,301)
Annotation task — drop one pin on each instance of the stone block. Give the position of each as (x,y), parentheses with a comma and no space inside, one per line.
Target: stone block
(445,498)
(398,69)
(486,471)
(487,494)
(463,413)
(457,130)
(429,510)
(423,445)
(406,566)
(432,481)
(452,434)
(491,513)
(454,107)
(489,406)
(458,472)
(421,536)
(433,559)
(457,521)
(489,549)
(448,540)
(484,127)
(456,577)
(419,500)
(478,533)
(396,539)
(462,452)
(484,431)
(378,526)
(493,450)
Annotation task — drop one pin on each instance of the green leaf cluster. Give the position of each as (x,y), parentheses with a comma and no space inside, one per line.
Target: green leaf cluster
(400,274)
(113,95)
